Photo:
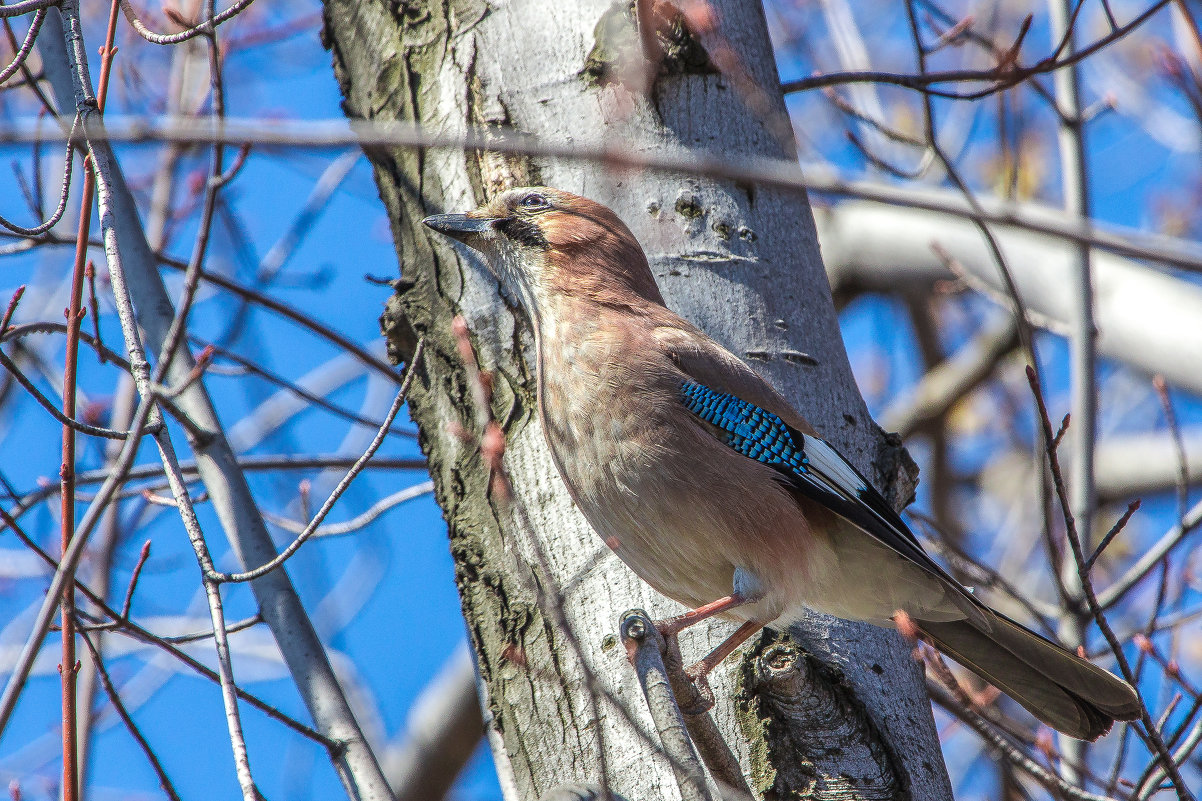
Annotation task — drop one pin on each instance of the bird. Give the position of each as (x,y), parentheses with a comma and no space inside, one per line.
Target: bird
(711,487)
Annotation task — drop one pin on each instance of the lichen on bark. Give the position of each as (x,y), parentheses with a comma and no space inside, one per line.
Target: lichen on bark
(802,718)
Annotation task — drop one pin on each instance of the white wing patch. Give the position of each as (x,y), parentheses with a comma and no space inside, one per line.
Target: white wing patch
(831,465)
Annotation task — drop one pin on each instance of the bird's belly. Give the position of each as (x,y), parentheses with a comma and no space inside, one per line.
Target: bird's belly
(629,497)
(683,511)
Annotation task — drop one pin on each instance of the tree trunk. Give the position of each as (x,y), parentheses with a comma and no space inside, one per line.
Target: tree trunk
(739,261)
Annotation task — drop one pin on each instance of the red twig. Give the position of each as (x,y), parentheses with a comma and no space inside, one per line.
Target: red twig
(12,307)
(90,273)
(69,666)
(133,579)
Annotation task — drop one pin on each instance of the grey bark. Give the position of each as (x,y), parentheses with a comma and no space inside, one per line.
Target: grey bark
(739,261)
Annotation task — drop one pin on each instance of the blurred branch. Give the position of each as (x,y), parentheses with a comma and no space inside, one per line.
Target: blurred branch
(252,463)
(951,380)
(784,173)
(302,223)
(261,299)
(1139,464)
(443,730)
(359,521)
(1074,183)
(296,388)
(137,632)
(1000,78)
(1096,608)
(1008,750)
(1140,312)
(1151,557)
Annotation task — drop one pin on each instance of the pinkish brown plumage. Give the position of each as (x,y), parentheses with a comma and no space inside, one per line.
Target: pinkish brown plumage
(710,486)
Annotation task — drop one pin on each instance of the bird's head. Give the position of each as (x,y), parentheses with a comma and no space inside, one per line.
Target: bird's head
(544,244)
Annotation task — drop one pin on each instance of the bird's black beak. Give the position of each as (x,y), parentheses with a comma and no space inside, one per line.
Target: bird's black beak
(460,226)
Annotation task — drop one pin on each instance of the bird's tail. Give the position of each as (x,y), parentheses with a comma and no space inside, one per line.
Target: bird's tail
(1063,690)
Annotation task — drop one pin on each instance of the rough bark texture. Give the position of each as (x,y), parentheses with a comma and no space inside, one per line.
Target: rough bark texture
(741,262)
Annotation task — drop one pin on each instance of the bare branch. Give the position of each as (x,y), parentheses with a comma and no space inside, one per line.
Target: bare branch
(999,78)
(442,731)
(356,468)
(204,28)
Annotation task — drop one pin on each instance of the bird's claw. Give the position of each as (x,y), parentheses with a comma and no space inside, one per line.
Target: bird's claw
(702,700)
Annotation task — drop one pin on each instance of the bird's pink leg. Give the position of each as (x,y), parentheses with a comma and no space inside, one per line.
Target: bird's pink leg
(674,625)
(699,671)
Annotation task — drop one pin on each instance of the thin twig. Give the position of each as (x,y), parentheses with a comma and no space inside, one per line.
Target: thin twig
(115,699)
(10,309)
(359,521)
(1151,557)
(25,6)
(133,579)
(62,575)
(26,46)
(64,193)
(94,306)
(999,78)
(1074,178)
(230,628)
(1118,526)
(1012,753)
(342,486)
(249,366)
(48,405)
(1170,418)
(217,613)
(1099,616)
(203,28)
(137,632)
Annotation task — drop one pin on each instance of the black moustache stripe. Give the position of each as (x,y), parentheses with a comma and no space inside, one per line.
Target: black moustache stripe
(523,232)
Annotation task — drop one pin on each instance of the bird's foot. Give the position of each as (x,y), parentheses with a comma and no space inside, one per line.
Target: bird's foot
(690,688)
(701,698)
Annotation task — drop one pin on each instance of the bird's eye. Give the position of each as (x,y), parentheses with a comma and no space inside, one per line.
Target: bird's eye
(534,201)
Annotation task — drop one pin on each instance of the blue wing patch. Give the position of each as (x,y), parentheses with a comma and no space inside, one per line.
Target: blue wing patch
(748,429)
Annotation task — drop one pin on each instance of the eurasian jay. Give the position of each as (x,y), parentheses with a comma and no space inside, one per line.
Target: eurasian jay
(711,487)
